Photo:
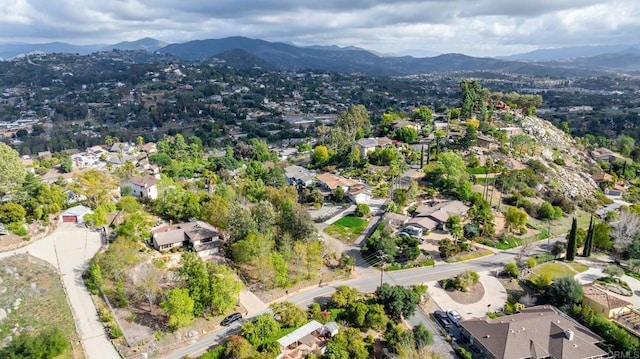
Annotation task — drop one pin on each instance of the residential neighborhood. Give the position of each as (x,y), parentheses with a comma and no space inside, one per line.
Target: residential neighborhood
(301,223)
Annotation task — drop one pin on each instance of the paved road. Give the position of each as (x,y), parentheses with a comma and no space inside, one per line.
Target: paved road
(368,279)
(68,249)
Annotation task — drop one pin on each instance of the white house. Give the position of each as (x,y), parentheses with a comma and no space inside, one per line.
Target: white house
(143,187)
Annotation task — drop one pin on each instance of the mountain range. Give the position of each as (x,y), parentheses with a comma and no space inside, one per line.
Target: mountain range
(244,52)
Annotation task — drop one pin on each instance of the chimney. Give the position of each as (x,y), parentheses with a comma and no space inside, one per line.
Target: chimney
(569,334)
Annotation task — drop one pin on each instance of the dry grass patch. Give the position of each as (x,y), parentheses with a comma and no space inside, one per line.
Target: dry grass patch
(32,290)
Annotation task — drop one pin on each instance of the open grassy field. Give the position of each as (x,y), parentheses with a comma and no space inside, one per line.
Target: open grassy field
(32,297)
(347,228)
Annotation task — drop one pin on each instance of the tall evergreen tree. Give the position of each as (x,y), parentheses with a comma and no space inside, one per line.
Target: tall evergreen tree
(588,243)
(572,242)
(422,157)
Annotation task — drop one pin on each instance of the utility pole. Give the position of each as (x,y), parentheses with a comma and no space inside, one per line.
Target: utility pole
(549,235)
(381,256)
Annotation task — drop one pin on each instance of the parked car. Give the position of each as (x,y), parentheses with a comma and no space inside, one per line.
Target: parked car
(442,318)
(231,318)
(454,316)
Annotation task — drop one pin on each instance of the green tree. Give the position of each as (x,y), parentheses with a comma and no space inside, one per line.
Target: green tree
(454,226)
(260,329)
(288,314)
(362,210)
(347,344)
(588,245)
(423,113)
(572,241)
(343,296)
(601,236)
(450,171)
(224,287)
(515,219)
(238,347)
(564,291)
(376,317)
(356,313)
(613,270)
(320,156)
(12,172)
(354,122)
(194,272)
(422,336)
(96,185)
(12,213)
(338,195)
(179,306)
(407,135)
(398,301)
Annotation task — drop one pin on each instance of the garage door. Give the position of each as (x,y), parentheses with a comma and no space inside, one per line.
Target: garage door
(72,219)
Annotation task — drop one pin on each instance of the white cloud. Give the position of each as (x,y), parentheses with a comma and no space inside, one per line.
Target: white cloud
(476,27)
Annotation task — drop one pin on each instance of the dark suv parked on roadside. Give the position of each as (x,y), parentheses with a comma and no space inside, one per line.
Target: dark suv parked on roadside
(231,318)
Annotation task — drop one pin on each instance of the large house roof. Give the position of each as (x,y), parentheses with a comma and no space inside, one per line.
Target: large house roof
(146,181)
(193,231)
(540,331)
(603,298)
(332,181)
(443,210)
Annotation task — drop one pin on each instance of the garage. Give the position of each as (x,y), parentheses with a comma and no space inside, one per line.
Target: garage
(70,219)
(75,214)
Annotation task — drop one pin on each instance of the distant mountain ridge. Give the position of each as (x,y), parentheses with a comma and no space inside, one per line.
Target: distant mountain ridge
(571,52)
(244,52)
(147,44)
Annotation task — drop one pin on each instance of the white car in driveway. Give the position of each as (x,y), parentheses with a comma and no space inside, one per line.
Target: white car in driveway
(454,316)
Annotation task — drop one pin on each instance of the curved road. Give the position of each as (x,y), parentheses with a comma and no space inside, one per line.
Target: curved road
(367,280)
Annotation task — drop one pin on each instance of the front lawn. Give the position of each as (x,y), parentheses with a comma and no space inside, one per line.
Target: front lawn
(347,228)
(554,270)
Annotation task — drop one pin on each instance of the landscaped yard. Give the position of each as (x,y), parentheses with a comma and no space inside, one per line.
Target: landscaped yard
(347,228)
(557,270)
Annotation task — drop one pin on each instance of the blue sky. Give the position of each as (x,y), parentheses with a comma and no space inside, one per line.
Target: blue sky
(473,27)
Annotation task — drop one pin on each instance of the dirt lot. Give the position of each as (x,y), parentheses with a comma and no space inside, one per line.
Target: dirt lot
(32,298)
(9,242)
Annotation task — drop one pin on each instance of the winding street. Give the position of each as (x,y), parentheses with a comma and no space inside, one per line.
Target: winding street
(367,280)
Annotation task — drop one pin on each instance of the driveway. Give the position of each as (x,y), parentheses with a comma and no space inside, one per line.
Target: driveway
(69,249)
(495,296)
(594,273)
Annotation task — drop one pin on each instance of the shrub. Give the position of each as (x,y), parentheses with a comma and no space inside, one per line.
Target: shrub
(17,228)
(464,353)
(362,210)
(465,280)
(511,270)
(114,331)
(48,344)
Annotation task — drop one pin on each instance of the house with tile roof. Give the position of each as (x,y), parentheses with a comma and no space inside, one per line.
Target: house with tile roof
(604,303)
(536,332)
